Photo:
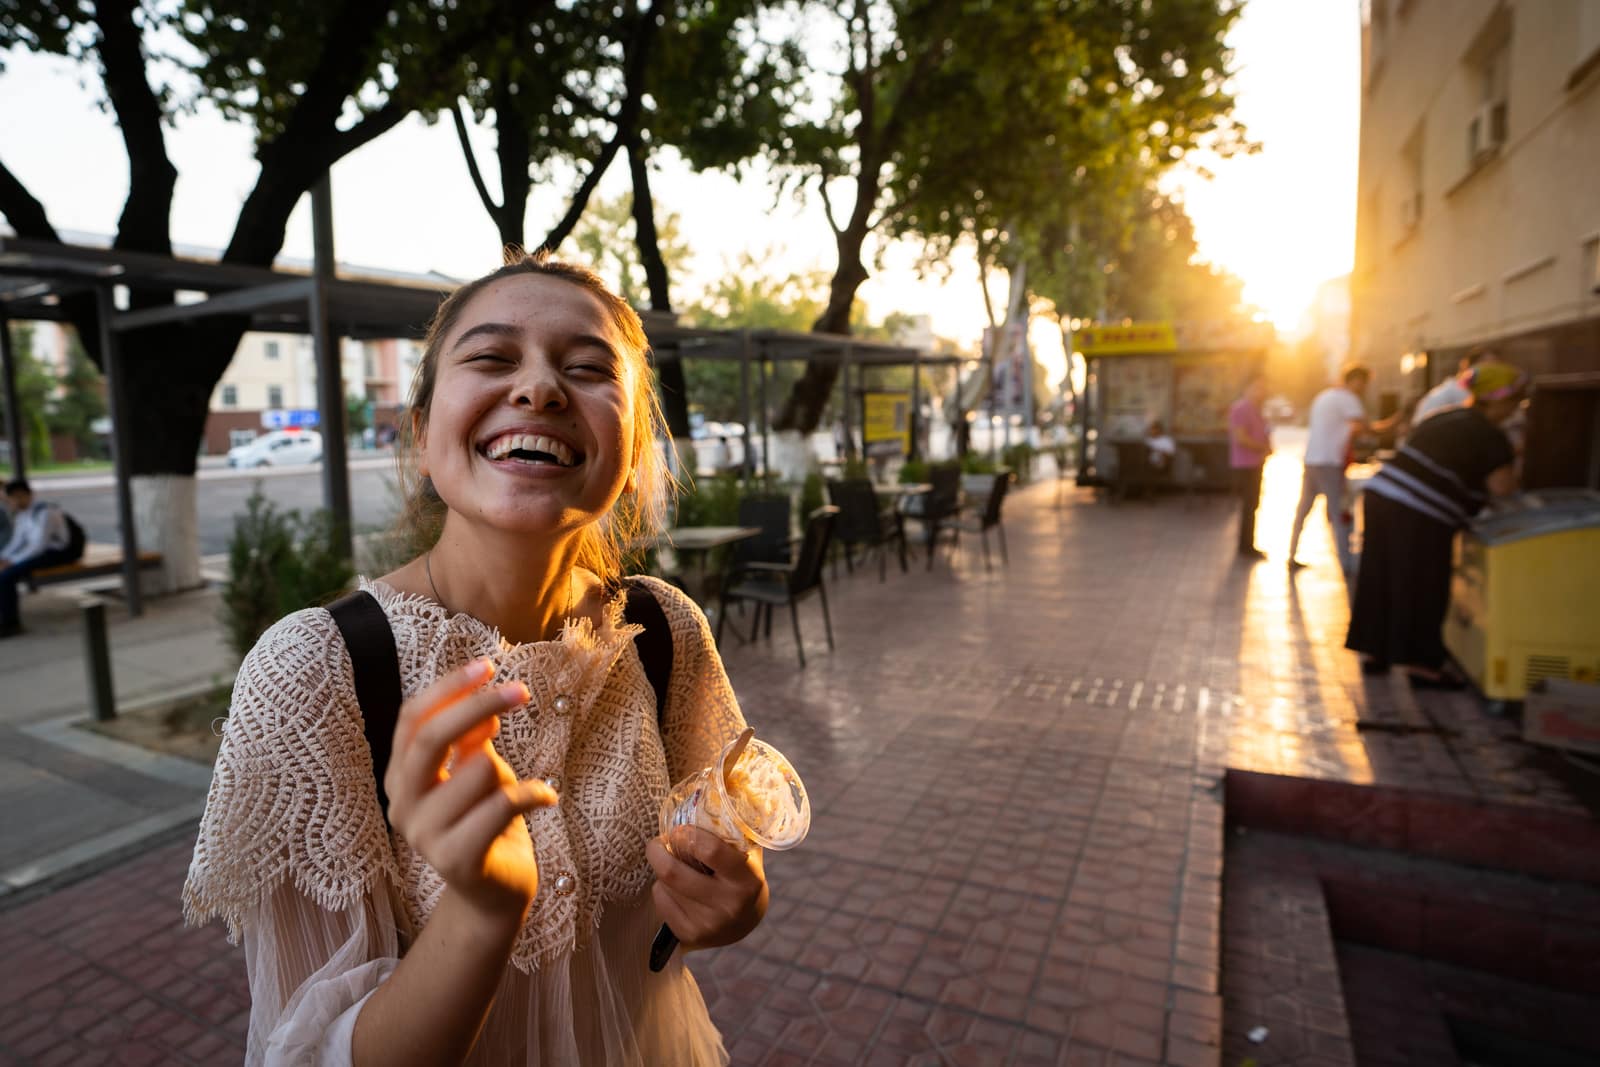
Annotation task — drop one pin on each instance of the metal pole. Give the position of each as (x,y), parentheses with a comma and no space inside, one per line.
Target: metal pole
(915,452)
(766,415)
(844,384)
(121,446)
(13,412)
(330,380)
(97,651)
(744,400)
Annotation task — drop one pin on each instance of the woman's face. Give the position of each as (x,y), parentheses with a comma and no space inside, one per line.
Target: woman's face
(530,428)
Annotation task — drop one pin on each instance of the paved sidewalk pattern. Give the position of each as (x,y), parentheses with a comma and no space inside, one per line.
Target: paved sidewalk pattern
(1018,840)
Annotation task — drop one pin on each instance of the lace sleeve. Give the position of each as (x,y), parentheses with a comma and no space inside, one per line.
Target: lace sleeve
(292,798)
(702,713)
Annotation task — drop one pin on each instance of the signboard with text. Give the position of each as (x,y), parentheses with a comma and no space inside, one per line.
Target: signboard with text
(290,418)
(886,424)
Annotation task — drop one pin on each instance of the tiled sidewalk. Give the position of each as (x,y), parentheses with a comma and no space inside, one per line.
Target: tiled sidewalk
(1017,848)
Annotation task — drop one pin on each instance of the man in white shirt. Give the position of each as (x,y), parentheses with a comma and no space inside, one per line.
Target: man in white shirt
(1337,413)
(1450,393)
(41,536)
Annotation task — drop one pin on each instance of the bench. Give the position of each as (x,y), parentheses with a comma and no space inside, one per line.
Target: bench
(98,559)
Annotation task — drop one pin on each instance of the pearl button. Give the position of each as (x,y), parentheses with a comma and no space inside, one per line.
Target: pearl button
(553,781)
(562,705)
(565,884)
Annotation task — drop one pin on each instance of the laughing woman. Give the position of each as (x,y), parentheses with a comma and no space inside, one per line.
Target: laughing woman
(501,909)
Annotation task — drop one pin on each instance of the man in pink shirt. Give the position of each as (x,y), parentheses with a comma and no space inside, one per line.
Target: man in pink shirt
(1249,443)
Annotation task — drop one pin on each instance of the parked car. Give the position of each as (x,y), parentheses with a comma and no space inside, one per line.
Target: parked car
(279,448)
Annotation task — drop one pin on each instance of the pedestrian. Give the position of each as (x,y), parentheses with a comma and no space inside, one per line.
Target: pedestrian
(1337,413)
(1438,479)
(42,535)
(1161,447)
(506,911)
(1452,392)
(1249,445)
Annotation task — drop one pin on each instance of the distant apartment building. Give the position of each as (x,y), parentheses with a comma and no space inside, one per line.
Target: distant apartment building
(1478,220)
(277,372)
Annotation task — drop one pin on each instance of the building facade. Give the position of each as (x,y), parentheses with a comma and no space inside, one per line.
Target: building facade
(1478,219)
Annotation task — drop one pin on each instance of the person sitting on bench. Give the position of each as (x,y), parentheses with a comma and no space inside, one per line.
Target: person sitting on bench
(42,535)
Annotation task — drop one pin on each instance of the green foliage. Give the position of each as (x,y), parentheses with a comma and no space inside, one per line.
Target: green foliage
(1019,457)
(710,502)
(357,414)
(605,240)
(977,463)
(278,562)
(812,493)
(855,468)
(82,398)
(914,472)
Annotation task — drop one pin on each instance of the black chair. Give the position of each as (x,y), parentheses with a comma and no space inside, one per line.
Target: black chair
(774,544)
(982,521)
(769,584)
(862,523)
(937,509)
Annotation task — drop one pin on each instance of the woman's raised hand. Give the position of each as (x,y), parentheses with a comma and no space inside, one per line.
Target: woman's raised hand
(707,891)
(466,821)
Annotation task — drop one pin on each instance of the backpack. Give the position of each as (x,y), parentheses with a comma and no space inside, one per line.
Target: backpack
(75,538)
(376,665)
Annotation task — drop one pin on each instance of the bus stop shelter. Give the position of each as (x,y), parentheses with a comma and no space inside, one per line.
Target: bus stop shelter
(36,277)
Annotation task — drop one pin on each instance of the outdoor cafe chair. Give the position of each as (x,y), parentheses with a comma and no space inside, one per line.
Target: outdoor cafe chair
(937,509)
(768,585)
(862,523)
(770,512)
(988,517)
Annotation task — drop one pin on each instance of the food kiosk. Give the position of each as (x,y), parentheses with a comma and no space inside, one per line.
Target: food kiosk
(1186,375)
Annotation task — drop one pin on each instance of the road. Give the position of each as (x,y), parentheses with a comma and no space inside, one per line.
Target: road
(373,500)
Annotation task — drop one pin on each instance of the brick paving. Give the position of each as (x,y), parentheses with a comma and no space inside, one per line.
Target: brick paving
(1017,774)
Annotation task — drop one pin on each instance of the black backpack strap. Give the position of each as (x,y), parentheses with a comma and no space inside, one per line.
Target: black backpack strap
(654,643)
(376,664)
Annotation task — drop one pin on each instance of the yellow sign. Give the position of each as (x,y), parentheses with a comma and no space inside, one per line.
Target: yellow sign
(1138,338)
(886,423)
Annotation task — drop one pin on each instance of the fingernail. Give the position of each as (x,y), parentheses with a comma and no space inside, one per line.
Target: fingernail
(514,693)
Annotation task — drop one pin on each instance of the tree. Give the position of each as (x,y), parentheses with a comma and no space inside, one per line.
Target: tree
(606,240)
(82,398)
(316,81)
(34,388)
(959,121)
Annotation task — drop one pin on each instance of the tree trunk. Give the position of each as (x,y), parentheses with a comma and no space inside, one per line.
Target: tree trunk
(669,373)
(512,148)
(808,397)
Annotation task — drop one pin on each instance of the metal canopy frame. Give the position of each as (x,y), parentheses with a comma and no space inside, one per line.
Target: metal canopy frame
(36,275)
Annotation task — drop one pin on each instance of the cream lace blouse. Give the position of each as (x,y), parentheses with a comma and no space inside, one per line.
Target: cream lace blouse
(295,855)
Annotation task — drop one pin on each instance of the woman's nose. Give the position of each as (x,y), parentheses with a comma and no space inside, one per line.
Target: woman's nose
(539,387)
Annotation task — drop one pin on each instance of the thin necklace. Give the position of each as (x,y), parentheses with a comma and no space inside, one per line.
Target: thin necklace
(427,568)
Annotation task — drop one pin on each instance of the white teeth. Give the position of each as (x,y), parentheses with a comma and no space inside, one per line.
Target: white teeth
(505,444)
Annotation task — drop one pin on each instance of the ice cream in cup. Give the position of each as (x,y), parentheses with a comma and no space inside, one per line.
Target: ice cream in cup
(760,800)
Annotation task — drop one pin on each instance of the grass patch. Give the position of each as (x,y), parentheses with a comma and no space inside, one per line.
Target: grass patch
(82,466)
(189,728)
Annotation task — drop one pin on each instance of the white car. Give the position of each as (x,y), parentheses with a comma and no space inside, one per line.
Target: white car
(279,448)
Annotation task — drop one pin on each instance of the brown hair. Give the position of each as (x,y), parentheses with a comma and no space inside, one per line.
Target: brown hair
(1352,371)
(638,514)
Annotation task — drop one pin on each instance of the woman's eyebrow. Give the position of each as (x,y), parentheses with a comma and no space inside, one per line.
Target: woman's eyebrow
(586,340)
(487,329)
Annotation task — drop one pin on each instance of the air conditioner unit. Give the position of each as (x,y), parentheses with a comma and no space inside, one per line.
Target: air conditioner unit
(1411,211)
(1487,130)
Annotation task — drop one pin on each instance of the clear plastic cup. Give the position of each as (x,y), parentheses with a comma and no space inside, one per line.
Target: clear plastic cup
(761,802)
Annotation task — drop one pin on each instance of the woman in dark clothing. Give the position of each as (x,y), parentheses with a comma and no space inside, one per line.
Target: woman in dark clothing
(1444,473)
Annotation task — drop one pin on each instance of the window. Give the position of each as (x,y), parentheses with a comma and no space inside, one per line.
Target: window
(369,363)
(1411,182)
(230,396)
(272,350)
(1489,67)
(274,396)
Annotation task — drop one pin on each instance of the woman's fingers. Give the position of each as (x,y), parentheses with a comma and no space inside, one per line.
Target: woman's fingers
(694,845)
(470,781)
(477,828)
(417,761)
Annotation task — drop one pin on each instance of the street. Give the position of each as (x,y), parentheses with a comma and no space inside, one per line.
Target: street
(223,492)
